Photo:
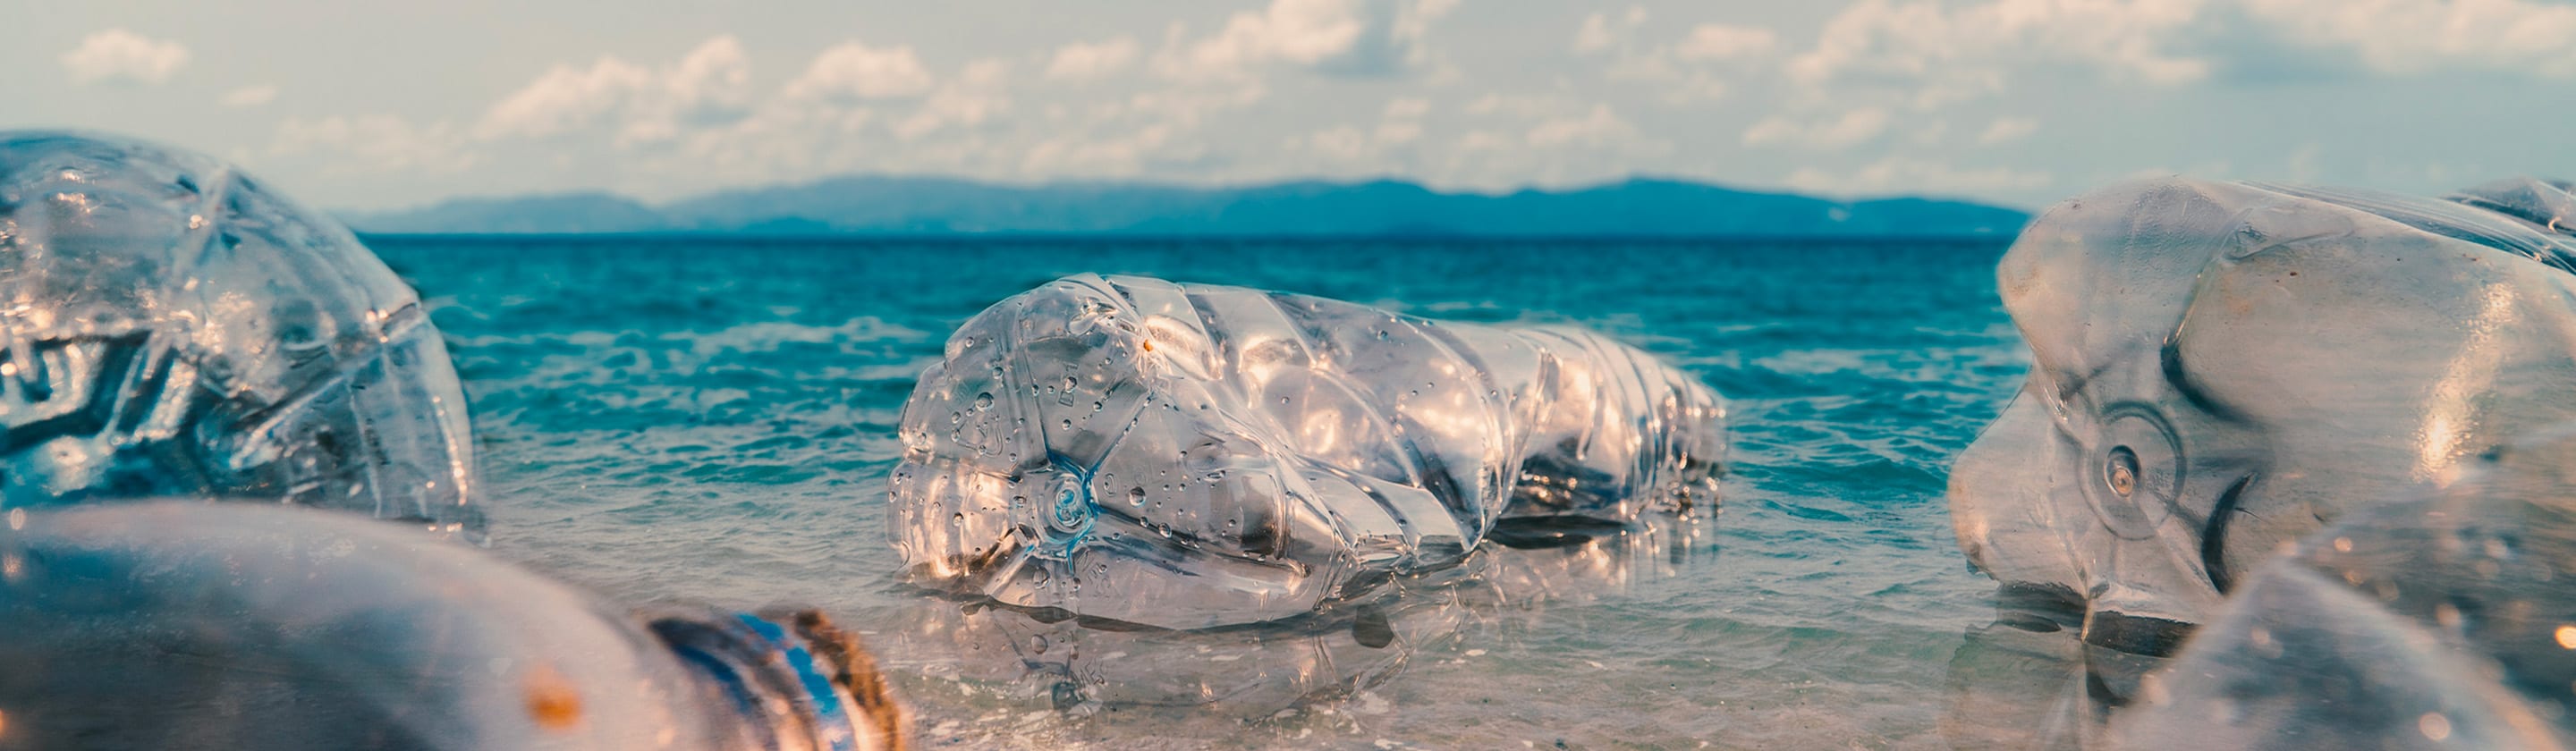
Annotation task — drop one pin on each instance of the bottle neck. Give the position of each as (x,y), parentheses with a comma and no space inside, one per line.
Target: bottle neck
(795,681)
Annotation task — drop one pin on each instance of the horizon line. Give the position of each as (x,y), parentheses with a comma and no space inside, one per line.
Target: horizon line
(1129,236)
(1139,182)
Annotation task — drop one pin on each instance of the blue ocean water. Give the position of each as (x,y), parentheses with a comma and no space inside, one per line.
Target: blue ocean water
(711,420)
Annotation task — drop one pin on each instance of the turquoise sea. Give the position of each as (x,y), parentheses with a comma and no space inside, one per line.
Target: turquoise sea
(711,420)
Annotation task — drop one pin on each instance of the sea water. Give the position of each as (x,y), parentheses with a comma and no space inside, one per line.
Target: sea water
(711,420)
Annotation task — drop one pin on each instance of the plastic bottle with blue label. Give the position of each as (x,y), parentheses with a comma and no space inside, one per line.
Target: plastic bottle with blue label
(191,625)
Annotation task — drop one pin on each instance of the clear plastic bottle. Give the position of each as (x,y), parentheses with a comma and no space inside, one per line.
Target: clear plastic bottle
(2221,368)
(2442,621)
(170,327)
(192,625)
(1189,456)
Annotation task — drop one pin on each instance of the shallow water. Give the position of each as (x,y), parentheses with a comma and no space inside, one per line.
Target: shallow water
(712,421)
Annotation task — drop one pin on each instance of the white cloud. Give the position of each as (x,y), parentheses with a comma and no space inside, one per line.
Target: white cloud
(1944,54)
(1553,120)
(1939,53)
(1342,37)
(1341,143)
(976,96)
(1089,61)
(1854,127)
(1402,120)
(1596,127)
(2008,129)
(1600,34)
(1907,174)
(852,72)
(1485,140)
(1522,105)
(1559,141)
(382,143)
(641,105)
(1155,132)
(117,54)
(1689,70)
(2417,36)
(1118,153)
(1189,107)
(250,96)
(1714,41)
(1370,149)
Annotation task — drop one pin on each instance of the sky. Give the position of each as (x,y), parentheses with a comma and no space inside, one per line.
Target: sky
(365,106)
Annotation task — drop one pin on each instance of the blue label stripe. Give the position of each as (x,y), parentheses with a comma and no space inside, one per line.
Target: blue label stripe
(833,720)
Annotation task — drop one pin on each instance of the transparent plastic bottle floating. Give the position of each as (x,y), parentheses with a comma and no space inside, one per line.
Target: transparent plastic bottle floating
(170,327)
(1185,456)
(2221,368)
(191,625)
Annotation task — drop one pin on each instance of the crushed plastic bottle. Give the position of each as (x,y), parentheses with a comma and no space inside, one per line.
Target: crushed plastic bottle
(1189,456)
(168,326)
(2221,368)
(2443,621)
(193,625)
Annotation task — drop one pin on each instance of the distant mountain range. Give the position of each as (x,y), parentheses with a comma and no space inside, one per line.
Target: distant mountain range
(934,206)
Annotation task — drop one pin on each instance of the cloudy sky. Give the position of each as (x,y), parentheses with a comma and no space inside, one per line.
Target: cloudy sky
(377,105)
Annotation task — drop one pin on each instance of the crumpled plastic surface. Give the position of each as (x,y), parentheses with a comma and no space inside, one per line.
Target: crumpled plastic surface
(2221,368)
(2443,621)
(168,326)
(1188,456)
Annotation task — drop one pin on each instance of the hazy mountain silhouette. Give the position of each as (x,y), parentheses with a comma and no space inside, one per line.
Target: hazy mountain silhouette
(924,205)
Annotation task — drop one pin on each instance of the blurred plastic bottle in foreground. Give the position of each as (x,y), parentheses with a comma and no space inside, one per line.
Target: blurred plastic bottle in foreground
(2221,368)
(169,327)
(2442,622)
(237,626)
(1188,456)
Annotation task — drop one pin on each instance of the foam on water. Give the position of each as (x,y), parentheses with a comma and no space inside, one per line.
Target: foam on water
(714,420)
